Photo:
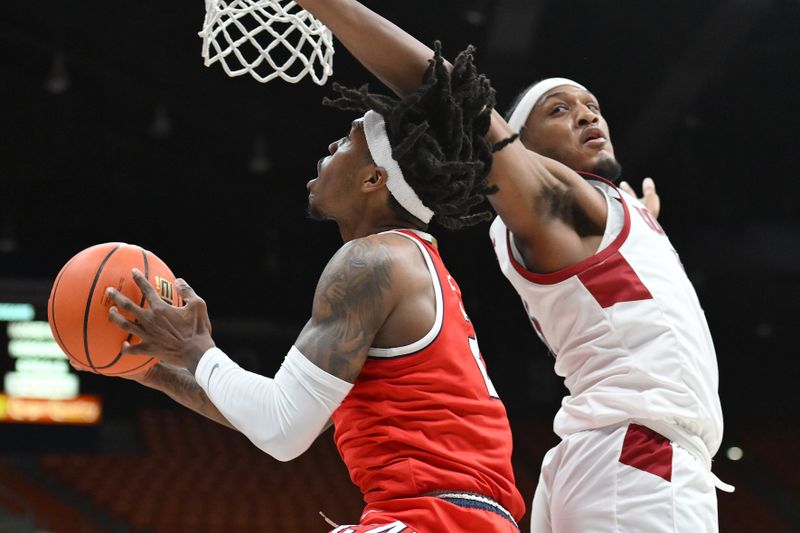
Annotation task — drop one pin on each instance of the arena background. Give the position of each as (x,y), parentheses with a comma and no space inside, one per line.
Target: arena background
(112,129)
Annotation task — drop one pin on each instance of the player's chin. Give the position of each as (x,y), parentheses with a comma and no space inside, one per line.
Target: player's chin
(314,213)
(590,157)
(605,166)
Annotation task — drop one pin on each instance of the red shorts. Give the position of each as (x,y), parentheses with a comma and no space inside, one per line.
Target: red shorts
(426,514)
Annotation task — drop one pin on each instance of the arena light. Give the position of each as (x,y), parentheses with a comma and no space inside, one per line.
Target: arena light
(34,348)
(259,162)
(57,81)
(84,409)
(41,388)
(34,329)
(734,453)
(10,312)
(42,366)
(41,385)
(161,127)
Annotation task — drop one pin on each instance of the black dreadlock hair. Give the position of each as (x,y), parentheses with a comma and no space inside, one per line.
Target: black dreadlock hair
(437,135)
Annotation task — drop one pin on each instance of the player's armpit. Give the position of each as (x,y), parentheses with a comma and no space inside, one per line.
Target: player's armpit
(353,298)
(550,209)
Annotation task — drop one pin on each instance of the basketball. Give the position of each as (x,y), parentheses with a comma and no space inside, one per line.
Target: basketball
(78,306)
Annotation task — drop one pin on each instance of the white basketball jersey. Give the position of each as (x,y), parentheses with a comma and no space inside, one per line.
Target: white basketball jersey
(627,331)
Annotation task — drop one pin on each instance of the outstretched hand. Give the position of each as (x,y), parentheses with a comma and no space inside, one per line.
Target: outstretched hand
(176,335)
(649,198)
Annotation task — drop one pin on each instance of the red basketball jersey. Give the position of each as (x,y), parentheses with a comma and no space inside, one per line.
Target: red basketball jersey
(425,417)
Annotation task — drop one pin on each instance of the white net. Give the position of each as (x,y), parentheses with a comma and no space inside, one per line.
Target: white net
(267,39)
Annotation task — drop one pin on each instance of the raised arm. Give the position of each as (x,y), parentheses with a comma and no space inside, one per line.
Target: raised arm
(392,55)
(554,214)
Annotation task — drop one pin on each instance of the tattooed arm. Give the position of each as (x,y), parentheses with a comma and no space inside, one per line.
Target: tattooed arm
(353,298)
(284,415)
(180,385)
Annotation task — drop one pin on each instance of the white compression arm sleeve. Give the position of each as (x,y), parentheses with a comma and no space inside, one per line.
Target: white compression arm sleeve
(282,416)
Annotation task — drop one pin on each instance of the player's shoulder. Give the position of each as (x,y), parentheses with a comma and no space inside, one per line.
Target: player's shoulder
(362,268)
(379,251)
(393,254)
(394,244)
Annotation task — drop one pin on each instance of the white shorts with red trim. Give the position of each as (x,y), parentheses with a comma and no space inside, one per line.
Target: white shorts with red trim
(623,479)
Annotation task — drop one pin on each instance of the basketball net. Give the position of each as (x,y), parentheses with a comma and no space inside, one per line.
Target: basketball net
(267,39)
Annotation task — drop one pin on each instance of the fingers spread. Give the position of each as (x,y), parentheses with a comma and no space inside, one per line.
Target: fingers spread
(125,324)
(186,292)
(625,186)
(123,302)
(148,290)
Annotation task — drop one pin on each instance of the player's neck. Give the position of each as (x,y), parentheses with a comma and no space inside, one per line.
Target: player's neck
(365,227)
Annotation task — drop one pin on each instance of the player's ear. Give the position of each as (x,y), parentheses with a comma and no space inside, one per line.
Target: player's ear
(375,179)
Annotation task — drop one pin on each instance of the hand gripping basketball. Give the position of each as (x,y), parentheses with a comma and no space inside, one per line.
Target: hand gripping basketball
(176,335)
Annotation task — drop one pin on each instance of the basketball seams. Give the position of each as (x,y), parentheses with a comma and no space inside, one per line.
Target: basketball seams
(146,268)
(81,310)
(130,371)
(53,323)
(89,306)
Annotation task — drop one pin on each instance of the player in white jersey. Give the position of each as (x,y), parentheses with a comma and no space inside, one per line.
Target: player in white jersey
(643,417)
(621,317)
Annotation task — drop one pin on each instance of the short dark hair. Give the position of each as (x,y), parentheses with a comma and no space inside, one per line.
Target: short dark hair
(437,135)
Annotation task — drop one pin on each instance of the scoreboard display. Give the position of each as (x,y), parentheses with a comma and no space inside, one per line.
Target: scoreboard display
(39,386)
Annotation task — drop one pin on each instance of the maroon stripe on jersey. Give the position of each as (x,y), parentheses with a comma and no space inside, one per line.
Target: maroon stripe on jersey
(572,270)
(614,281)
(647,450)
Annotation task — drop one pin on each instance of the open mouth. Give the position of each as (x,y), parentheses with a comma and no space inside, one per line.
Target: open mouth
(593,137)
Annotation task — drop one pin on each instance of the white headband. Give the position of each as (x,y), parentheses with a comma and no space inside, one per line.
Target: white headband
(381,151)
(532,97)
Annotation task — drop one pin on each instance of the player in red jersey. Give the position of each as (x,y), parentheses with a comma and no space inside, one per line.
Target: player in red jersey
(606,292)
(389,352)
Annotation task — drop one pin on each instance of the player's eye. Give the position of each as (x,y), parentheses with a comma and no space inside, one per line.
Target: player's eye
(558,108)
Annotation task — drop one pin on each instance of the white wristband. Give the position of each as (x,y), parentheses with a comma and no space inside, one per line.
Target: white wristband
(282,416)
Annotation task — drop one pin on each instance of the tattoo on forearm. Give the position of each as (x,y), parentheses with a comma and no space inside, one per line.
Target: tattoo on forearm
(180,385)
(350,306)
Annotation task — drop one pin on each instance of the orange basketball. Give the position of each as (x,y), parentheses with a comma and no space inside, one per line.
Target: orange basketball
(78,305)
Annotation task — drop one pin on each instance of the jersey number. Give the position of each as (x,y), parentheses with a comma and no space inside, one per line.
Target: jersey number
(650,220)
(476,353)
